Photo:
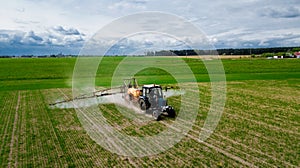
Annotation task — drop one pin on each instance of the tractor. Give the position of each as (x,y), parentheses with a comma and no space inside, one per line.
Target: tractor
(150,98)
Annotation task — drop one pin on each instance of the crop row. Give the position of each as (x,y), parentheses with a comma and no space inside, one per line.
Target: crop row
(255,130)
(238,138)
(8,114)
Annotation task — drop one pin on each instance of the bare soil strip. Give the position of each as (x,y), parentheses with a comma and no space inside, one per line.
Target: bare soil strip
(13,136)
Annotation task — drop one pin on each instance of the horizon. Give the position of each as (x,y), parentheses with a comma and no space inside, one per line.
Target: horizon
(60,54)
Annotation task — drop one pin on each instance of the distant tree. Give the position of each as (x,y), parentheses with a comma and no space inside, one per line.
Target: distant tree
(281,54)
(267,54)
(295,49)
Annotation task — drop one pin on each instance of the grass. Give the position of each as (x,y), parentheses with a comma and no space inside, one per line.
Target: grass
(259,126)
(30,74)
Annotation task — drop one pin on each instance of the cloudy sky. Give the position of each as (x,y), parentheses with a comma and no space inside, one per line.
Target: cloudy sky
(63,26)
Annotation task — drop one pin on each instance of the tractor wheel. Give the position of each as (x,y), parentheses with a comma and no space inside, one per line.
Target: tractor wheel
(171,113)
(156,115)
(130,97)
(143,105)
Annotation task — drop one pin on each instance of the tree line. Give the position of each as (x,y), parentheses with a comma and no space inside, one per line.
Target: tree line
(228,51)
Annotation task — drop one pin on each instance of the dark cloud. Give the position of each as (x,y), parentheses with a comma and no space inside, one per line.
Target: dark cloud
(4,36)
(18,50)
(290,12)
(50,42)
(9,37)
(32,39)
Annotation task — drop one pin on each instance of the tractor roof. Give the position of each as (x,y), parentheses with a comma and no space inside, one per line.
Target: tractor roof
(152,86)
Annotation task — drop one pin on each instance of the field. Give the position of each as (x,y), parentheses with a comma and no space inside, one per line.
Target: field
(259,127)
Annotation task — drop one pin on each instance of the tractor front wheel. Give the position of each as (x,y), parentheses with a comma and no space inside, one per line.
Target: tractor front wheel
(156,115)
(171,113)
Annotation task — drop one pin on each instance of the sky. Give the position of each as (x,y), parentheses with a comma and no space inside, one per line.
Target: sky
(42,27)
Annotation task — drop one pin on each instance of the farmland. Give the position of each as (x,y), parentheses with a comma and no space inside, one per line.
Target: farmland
(259,126)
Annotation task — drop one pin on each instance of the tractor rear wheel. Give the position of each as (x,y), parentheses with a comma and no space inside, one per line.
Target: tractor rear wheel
(143,105)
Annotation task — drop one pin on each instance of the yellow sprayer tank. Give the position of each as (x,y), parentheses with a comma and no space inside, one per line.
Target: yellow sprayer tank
(134,92)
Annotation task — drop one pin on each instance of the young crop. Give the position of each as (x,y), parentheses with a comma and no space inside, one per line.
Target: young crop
(259,126)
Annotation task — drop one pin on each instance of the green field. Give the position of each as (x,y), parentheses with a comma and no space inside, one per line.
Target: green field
(259,127)
(30,74)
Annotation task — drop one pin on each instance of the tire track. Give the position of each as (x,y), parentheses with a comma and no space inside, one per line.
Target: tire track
(89,148)
(262,123)
(245,146)
(70,141)
(58,148)
(260,103)
(131,161)
(233,157)
(257,122)
(22,160)
(225,151)
(251,149)
(137,162)
(13,136)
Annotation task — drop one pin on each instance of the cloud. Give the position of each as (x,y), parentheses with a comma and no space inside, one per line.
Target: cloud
(245,38)
(30,38)
(66,31)
(244,23)
(61,36)
(10,37)
(58,37)
(289,12)
(141,43)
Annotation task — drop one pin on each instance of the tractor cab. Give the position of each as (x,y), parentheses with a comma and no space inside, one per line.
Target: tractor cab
(150,98)
(152,101)
(152,91)
(154,95)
